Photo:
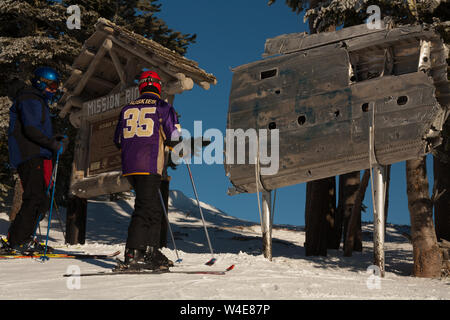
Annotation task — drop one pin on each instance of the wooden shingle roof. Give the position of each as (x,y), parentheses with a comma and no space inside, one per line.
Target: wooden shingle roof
(113,57)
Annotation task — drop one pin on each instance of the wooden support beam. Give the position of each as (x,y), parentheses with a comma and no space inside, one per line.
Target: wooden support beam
(132,68)
(118,66)
(77,73)
(80,153)
(205,85)
(105,183)
(75,101)
(102,82)
(106,46)
(179,86)
(104,28)
(75,118)
(85,56)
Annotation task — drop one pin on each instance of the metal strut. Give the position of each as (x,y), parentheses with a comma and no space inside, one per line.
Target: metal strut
(265,217)
(378,186)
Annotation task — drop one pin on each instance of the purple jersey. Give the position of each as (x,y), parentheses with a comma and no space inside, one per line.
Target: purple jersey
(143,126)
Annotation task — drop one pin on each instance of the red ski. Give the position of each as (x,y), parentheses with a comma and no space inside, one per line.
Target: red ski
(151,272)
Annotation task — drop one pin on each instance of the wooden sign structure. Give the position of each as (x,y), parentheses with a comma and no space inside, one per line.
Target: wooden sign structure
(102,81)
(342,101)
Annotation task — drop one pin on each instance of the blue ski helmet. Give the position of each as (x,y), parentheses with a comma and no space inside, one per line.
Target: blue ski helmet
(46,79)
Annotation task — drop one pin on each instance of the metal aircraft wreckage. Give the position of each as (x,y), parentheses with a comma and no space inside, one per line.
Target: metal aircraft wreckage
(342,101)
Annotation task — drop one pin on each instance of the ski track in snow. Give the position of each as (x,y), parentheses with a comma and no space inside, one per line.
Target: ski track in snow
(289,276)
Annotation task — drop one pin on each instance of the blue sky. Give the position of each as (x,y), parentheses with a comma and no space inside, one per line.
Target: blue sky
(232,33)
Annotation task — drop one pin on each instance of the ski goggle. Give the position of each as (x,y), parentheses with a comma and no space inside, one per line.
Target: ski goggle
(50,84)
(150,80)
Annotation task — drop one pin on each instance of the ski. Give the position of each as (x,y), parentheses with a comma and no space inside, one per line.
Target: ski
(151,272)
(80,256)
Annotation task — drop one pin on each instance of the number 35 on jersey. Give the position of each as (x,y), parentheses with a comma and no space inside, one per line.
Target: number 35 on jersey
(138,122)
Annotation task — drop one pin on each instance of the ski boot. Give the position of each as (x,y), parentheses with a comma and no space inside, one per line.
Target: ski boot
(136,260)
(155,255)
(31,247)
(38,247)
(5,247)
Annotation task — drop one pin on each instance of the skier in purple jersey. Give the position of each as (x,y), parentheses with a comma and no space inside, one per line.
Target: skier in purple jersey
(144,126)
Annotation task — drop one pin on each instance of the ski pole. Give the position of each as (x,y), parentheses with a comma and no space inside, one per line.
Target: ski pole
(38,223)
(44,257)
(213,260)
(168,224)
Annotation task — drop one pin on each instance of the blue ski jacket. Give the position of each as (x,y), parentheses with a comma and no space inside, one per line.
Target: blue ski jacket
(30,129)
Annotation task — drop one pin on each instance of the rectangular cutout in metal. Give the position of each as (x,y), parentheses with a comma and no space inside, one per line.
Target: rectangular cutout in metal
(268,74)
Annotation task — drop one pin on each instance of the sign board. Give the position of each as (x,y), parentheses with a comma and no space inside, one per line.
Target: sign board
(104,155)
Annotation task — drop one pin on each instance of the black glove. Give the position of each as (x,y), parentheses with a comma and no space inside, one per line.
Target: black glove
(195,148)
(58,141)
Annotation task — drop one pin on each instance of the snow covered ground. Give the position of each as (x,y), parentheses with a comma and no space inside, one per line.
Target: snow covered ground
(290,276)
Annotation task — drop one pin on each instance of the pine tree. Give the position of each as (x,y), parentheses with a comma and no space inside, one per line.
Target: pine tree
(323,14)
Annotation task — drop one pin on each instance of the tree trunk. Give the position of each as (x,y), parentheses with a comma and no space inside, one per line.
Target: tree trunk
(442,203)
(427,257)
(348,190)
(354,233)
(318,215)
(333,232)
(76,221)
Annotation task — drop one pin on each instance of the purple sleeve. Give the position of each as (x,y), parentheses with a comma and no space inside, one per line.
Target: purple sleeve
(171,126)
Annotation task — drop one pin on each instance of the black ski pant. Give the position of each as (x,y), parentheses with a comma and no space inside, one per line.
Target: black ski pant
(34,201)
(145,225)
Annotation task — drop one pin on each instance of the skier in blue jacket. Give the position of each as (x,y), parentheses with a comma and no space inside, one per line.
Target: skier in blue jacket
(31,145)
